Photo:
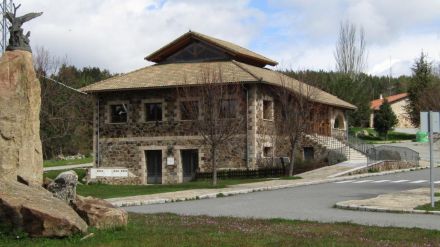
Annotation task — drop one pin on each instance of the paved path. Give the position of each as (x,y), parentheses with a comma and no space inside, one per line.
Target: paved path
(67,167)
(314,202)
(398,202)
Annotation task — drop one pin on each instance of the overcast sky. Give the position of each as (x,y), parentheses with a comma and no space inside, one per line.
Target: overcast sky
(299,34)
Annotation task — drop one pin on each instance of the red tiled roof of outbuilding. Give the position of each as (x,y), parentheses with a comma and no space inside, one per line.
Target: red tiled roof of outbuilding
(375,104)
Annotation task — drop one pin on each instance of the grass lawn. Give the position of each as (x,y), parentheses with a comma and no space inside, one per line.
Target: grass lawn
(109,191)
(174,230)
(374,138)
(428,207)
(50,163)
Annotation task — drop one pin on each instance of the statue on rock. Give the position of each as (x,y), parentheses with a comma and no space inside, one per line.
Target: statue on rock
(21,156)
(17,40)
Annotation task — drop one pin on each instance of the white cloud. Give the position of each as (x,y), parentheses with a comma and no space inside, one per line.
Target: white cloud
(118,34)
(300,34)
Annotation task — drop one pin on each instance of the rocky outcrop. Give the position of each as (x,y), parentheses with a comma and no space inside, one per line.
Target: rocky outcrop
(20,144)
(64,186)
(35,211)
(99,213)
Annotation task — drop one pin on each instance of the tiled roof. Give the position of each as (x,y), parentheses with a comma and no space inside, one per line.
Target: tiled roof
(375,104)
(231,48)
(180,74)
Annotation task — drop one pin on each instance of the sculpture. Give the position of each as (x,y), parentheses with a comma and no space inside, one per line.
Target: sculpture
(17,40)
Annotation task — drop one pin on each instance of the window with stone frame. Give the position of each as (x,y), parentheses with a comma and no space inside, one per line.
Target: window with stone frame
(189,110)
(118,113)
(268,110)
(267,151)
(228,108)
(153,112)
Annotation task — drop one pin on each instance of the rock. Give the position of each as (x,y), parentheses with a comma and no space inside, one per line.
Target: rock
(20,144)
(100,213)
(35,211)
(64,186)
(46,182)
(364,133)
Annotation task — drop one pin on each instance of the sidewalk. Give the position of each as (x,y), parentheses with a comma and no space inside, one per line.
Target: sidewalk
(67,167)
(318,176)
(398,202)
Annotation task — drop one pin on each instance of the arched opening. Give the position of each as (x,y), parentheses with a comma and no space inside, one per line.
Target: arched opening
(339,122)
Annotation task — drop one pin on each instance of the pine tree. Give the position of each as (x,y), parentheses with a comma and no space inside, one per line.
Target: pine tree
(384,119)
(422,78)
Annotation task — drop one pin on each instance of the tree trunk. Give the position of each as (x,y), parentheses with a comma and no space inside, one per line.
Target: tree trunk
(292,162)
(214,168)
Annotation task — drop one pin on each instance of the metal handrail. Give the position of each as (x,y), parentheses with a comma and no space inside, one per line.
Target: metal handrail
(332,144)
(359,145)
(386,152)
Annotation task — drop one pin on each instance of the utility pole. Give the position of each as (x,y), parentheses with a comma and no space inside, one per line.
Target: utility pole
(430,122)
(5,6)
(431,155)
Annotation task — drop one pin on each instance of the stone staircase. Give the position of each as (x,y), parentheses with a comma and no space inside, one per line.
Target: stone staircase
(331,143)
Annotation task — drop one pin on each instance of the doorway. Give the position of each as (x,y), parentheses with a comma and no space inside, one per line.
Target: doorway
(190,163)
(154,166)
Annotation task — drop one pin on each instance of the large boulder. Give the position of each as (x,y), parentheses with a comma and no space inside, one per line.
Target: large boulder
(35,211)
(64,186)
(20,101)
(100,213)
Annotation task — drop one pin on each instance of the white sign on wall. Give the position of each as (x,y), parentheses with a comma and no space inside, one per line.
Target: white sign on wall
(170,161)
(108,172)
(424,121)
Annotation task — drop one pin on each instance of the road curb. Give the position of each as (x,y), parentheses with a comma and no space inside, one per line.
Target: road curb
(238,191)
(384,210)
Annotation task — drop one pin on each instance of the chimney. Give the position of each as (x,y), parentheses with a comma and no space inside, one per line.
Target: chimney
(380,97)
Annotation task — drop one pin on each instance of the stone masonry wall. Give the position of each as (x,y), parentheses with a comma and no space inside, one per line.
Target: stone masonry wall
(124,144)
(267,134)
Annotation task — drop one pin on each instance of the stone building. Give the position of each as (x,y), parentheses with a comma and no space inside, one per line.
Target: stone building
(398,103)
(139,122)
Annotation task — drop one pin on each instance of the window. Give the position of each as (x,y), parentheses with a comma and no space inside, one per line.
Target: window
(267,151)
(228,108)
(189,110)
(153,112)
(309,153)
(118,113)
(267,109)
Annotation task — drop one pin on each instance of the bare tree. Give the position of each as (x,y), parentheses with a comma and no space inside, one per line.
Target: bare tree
(66,116)
(350,53)
(215,109)
(297,113)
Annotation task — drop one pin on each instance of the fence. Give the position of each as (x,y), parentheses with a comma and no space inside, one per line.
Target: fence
(359,145)
(384,152)
(250,173)
(331,143)
(393,153)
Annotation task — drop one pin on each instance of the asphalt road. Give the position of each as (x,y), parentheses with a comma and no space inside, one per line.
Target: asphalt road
(314,202)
